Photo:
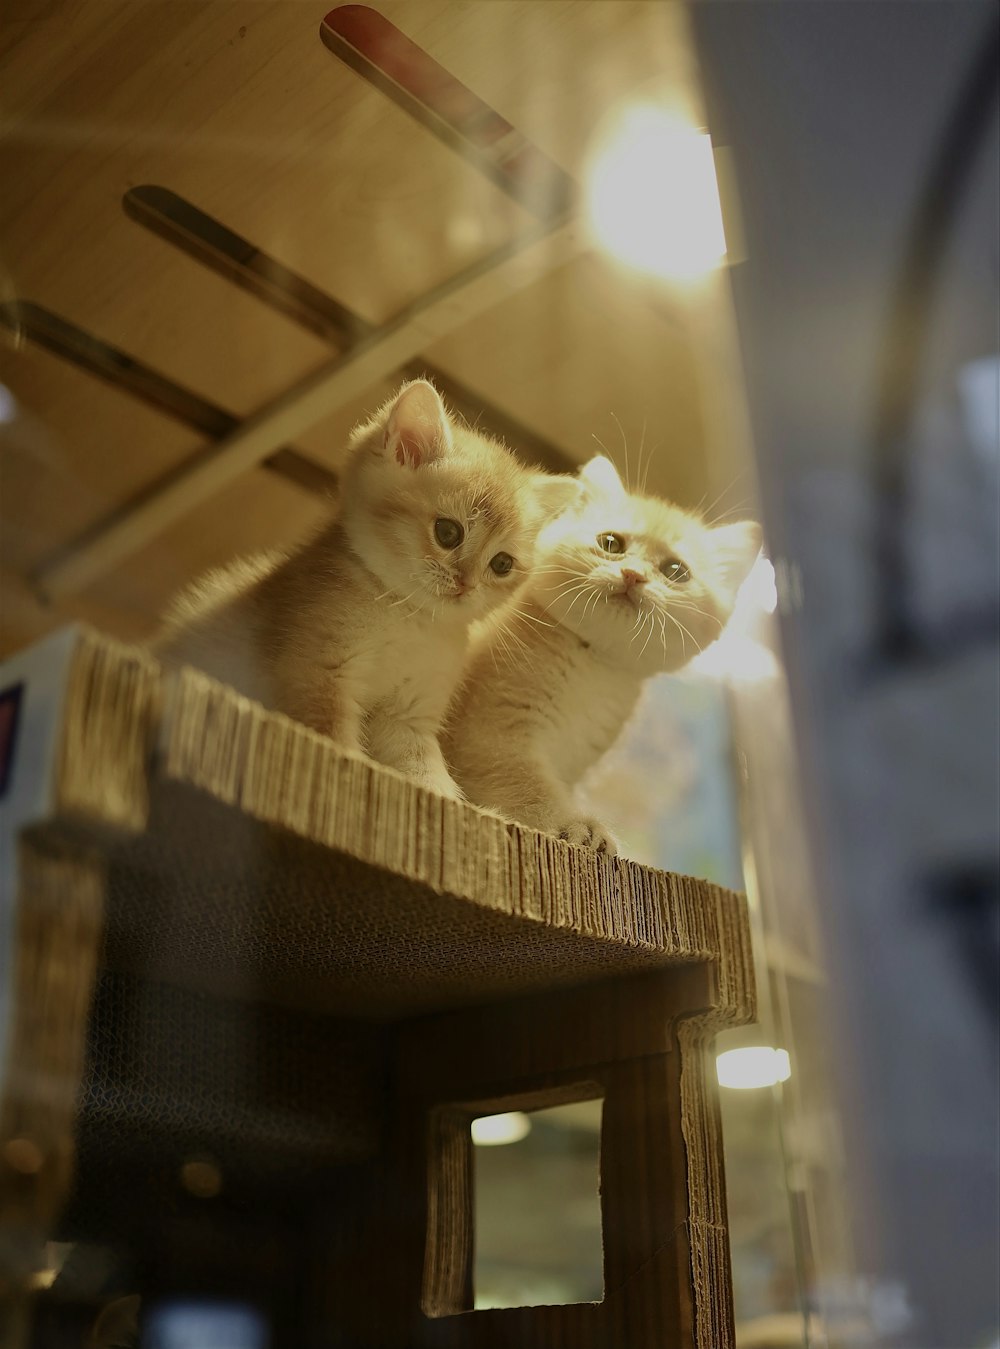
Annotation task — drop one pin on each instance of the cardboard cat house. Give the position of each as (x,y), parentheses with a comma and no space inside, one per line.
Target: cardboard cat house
(231,947)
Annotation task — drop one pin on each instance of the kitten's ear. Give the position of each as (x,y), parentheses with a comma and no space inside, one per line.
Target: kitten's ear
(554,493)
(417,430)
(600,479)
(735,549)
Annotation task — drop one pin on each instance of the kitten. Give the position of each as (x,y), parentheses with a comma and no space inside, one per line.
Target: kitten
(625,587)
(362,632)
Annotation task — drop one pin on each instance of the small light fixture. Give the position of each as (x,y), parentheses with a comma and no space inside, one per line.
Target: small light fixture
(653,196)
(754,1066)
(23,1155)
(490,1131)
(201,1177)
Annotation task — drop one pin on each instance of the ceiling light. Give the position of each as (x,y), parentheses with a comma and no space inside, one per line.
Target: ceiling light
(755,1066)
(653,196)
(489,1131)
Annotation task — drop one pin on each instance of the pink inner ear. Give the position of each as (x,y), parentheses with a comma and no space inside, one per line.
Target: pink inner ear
(409,448)
(417,429)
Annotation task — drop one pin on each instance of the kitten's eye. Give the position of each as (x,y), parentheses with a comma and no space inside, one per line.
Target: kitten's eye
(501,564)
(611,543)
(449,533)
(675,570)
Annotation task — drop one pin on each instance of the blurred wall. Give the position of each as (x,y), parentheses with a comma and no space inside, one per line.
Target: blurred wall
(835,114)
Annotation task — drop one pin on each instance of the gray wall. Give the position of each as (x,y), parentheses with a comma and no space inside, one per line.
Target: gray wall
(833,112)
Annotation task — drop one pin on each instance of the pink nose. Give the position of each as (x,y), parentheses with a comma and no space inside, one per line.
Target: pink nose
(632,578)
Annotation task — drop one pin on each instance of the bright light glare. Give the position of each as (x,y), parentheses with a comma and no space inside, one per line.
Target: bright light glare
(653,196)
(756,1066)
(737,657)
(759,588)
(489,1131)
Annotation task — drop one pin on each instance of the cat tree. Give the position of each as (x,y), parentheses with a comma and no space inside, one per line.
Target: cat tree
(230,940)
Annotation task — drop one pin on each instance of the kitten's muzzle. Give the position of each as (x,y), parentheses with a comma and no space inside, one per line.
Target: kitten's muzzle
(630,590)
(632,579)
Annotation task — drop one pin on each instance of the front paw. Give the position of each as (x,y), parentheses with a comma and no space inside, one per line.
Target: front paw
(442,783)
(587,833)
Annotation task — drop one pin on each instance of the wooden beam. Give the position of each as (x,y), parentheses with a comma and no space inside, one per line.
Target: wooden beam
(49,330)
(320,394)
(215,246)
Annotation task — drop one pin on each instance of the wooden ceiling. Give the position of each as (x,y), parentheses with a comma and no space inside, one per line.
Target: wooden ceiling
(243,112)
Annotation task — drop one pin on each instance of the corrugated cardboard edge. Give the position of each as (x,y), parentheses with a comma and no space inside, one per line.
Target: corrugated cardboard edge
(106,737)
(104,716)
(59,922)
(283,774)
(708,1230)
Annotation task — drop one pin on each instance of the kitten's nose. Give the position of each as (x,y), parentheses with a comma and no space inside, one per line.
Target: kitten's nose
(632,578)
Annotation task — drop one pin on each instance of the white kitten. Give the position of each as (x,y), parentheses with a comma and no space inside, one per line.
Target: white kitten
(362,633)
(625,587)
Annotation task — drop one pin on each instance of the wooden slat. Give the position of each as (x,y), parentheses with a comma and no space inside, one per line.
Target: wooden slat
(217,247)
(34,323)
(382,54)
(242,109)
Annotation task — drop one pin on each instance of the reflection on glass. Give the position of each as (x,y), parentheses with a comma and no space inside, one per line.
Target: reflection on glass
(538,1210)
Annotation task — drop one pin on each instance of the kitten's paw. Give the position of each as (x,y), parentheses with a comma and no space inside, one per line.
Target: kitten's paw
(589,833)
(440,783)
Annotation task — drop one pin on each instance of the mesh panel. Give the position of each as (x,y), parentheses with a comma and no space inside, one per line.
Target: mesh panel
(275,1100)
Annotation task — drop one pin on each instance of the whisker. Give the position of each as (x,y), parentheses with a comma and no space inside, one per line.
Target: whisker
(532,618)
(524,652)
(701,613)
(682,629)
(567,589)
(582,591)
(405,599)
(639,469)
(743,504)
(621,432)
(514,637)
(652,624)
(591,603)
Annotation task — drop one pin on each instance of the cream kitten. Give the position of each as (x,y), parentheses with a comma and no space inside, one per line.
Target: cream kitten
(362,633)
(625,587)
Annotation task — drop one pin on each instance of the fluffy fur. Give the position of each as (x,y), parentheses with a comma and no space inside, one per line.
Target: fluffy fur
(362,633)
(625,587)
